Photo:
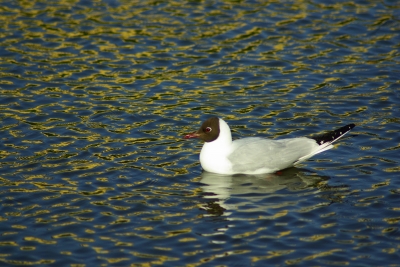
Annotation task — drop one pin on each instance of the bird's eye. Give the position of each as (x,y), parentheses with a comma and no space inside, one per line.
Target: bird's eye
(208,129)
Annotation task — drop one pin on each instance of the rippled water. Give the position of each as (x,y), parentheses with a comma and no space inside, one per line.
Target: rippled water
(95,97)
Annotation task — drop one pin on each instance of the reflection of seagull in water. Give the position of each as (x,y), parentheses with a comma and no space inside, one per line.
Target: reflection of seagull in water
(250,189)
(255,155)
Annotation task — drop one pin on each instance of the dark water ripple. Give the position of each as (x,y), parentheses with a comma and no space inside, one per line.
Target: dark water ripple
(96,95)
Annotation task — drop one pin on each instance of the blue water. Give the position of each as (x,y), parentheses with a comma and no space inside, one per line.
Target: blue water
(95,97)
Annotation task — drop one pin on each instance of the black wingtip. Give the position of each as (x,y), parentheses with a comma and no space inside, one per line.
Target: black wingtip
(333,135)
(351,126)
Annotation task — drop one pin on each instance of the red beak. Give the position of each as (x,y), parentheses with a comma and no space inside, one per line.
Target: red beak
(191,135)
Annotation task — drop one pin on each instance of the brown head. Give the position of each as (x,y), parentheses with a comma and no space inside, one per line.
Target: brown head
(208,132)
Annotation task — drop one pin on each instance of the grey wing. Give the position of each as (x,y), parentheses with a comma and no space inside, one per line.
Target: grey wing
(255,153)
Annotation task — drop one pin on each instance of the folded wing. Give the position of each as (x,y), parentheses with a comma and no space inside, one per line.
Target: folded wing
(258,153)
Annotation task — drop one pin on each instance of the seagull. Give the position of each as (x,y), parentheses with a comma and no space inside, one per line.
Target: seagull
(256,155)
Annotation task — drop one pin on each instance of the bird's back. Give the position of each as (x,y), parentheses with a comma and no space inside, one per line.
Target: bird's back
(259,155)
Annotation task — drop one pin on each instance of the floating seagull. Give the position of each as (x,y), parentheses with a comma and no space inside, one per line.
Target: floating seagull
(256,155)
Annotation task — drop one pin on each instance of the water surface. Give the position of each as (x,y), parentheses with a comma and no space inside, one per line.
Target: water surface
(95,97)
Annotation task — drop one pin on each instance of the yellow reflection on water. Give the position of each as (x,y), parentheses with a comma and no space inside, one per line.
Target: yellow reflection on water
(40,240)
(8,243)
(314,256)
(30,263)
(316,237)
(272,254)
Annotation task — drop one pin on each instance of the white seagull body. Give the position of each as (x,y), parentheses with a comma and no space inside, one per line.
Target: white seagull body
(255,155)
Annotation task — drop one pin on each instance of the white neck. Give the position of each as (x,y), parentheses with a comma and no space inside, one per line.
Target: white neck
(213,156)
(225,135)
(223,141)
